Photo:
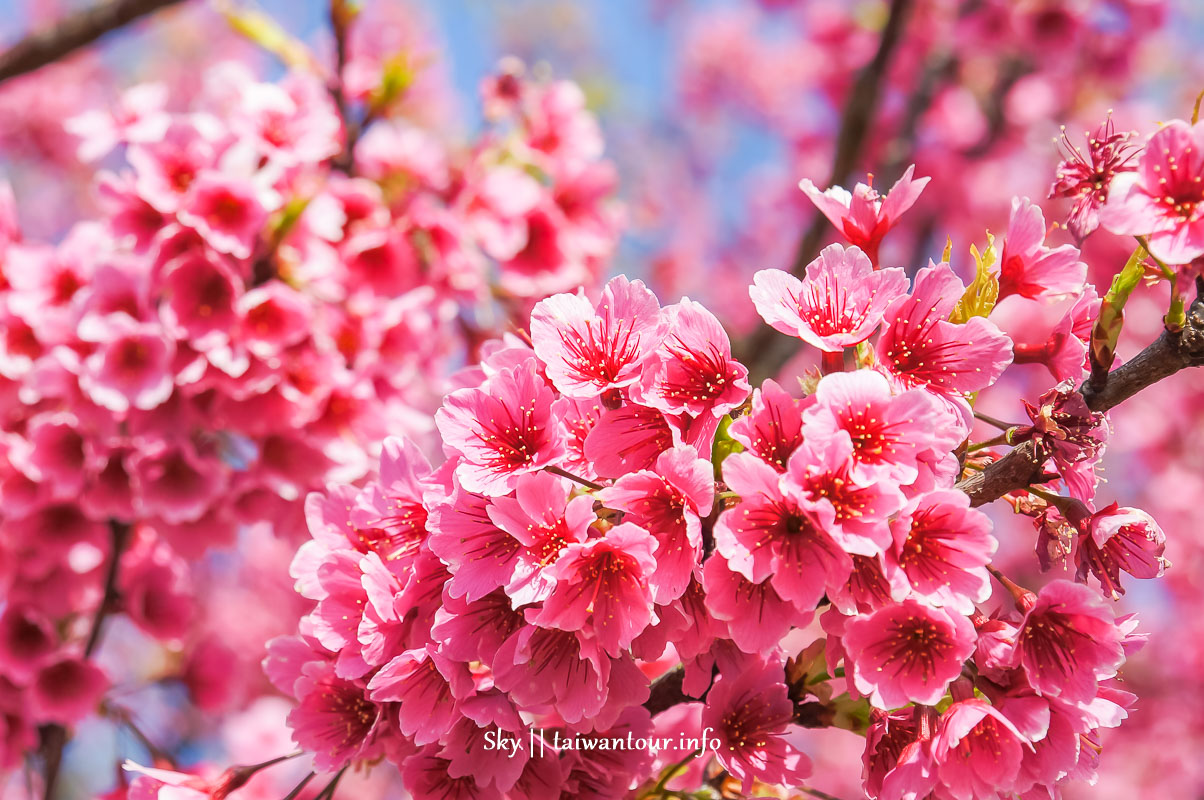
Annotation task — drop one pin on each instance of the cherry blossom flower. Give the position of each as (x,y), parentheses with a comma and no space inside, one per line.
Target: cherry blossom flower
(907,652)
(862,216)
(1030,269)
(838,304)
(1160,199)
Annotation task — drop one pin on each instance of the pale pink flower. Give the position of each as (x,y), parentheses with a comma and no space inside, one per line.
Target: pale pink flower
(588,348)
(603,587)
(921,347)
(838,304)
(504,429)
(1030,269)
(863,216)
(907,652)
(1162,199)
(943,547)
(668,501)
(1068,641)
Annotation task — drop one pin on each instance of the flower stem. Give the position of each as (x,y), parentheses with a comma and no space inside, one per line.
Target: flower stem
(576,478)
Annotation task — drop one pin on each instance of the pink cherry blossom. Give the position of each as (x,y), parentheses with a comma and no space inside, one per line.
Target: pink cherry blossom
(773,427)
(603,587)
(977,751)
(668,502)
(590,349)
(1160,199)
(838,304)
(1027,267)
(1121,539)
(907,652)
(502,430)
(1068,641)
(943,546)
(864,217)
(921,347)
(750,712)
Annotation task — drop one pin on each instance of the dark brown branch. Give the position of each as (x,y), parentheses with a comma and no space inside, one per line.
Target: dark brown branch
(766,351)
(1170,353)
(73,32)
(340,24)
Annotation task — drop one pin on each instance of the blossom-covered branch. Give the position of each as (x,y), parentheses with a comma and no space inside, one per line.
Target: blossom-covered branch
(1171,352)
(77,30)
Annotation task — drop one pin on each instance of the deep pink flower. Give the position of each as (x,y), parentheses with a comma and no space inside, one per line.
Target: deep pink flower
(333,719)
(156,589)
(201,293)
(228,212)
(693,372)
(589,348)
(977,751)
(751,714)
(54,451)
(769,535)
(174,481)
(864,217)
(873,582)
(480,556)
(578,418)
(541,520)
(755,616)
(921,347)
(473,631)
(1068,641)
(274,317)
(668,502)
(603,587)
(1087,179)
(838,304)
(67,691)
(1030,269)
(907,652)
(167,167)
(426,686)
(1121,540)
(773,427)
(496,204)
(131,365)
(823,474)
(628,439)
(427,776)
(888,432)
(1162,199)
(943,547)
(896,761)
(541,667)
(503,430)
(382,261)
(27,641)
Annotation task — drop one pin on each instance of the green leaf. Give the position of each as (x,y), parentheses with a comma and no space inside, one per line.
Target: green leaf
(264,31)
(1111,320)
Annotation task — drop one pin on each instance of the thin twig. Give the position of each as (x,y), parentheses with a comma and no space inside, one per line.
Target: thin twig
(119,534)
(765,351)
(564,473)
(73,32)
(300,787)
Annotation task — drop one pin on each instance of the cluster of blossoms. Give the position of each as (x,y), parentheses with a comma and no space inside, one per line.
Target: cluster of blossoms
(620,511)
(243,324)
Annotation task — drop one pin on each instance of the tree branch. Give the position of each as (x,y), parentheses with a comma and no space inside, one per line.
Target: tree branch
(768,351)
(1170,352)
(73,32)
